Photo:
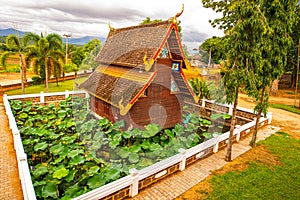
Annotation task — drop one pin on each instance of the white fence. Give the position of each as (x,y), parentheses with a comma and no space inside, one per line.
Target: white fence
(24,173)
(159,169)
(131,181)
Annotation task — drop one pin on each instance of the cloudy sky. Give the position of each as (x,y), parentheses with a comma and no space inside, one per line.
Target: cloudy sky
(90,17)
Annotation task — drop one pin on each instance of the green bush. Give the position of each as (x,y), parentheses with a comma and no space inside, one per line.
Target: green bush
(15,69)
(36,80)
(200,88)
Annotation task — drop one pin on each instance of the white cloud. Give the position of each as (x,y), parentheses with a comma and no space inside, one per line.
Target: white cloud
(90,17)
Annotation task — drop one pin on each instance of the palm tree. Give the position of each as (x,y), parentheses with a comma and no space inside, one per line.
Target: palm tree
(14,42)
(46,55)
(200,88)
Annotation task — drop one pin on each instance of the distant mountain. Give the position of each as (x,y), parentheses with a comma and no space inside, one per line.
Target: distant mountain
(8,31)
(78,41)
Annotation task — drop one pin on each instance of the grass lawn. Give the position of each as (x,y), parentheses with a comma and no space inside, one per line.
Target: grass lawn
(62,86)
(260,181)
(289,108)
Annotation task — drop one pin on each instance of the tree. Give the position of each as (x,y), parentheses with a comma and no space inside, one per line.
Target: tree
(149,21)
(13,42)
(200,88)
(292,58)
(47,56)
(91,50)
(280,17)
(76,54)
(91,45)
(258,34)
(215,45)
(244,26)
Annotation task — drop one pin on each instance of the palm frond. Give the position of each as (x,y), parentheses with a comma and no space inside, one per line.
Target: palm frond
(12,41)
(4,57)
(30,39)
(55,41)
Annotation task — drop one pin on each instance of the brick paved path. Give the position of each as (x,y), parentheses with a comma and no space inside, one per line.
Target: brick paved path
(10,185)
(174,185)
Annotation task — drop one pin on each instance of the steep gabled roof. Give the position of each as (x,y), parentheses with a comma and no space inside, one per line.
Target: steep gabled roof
(128,46)
(126,61)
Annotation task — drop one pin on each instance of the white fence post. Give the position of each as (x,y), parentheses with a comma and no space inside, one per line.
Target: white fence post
(203,103)
(183,159)
(269,116)
(42,97)
(134,187)
(4,98)
(216,146)
(67,94)
(87,95)
(230,106)
(238,134)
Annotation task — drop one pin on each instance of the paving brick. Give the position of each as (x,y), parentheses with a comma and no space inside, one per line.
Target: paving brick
(10,185)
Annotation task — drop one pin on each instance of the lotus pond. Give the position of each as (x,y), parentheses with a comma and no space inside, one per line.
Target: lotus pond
(70,152)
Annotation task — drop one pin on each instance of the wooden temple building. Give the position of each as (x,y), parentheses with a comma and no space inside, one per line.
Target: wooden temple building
(140,78)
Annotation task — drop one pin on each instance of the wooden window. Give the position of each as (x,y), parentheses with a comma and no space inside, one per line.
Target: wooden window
(174,86)
(175,66)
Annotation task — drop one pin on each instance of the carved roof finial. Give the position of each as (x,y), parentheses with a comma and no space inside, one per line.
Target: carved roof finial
(110,27)
(178,14)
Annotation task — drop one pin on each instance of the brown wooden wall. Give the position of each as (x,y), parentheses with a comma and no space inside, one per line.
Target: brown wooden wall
(159,106)
(102,108)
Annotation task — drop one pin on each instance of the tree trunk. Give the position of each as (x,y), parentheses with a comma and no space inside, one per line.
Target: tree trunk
(297,75)
(253,140)
(22,73)
(274,87)
(46,76)
(232,126)
(24,68)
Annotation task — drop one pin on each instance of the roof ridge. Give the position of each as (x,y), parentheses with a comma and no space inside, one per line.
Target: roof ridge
(154,24)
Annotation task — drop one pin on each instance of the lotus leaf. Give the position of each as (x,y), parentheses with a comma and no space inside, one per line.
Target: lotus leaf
(40,146)
(49,190)
(96,181)
(76,160)
(39,171)
(133,157)
(60,173)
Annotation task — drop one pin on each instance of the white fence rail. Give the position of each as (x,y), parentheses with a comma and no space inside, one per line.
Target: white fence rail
(24,173)
(131,181)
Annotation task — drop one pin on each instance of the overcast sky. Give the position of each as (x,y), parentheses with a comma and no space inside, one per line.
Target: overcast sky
(90,17)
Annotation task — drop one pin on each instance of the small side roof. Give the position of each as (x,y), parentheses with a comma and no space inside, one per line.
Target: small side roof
(118,86)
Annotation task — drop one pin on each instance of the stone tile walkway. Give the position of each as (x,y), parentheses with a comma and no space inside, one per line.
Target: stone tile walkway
(10,185)
(176,184)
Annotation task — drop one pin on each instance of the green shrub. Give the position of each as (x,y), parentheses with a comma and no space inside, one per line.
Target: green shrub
(36,80)
(15,69)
